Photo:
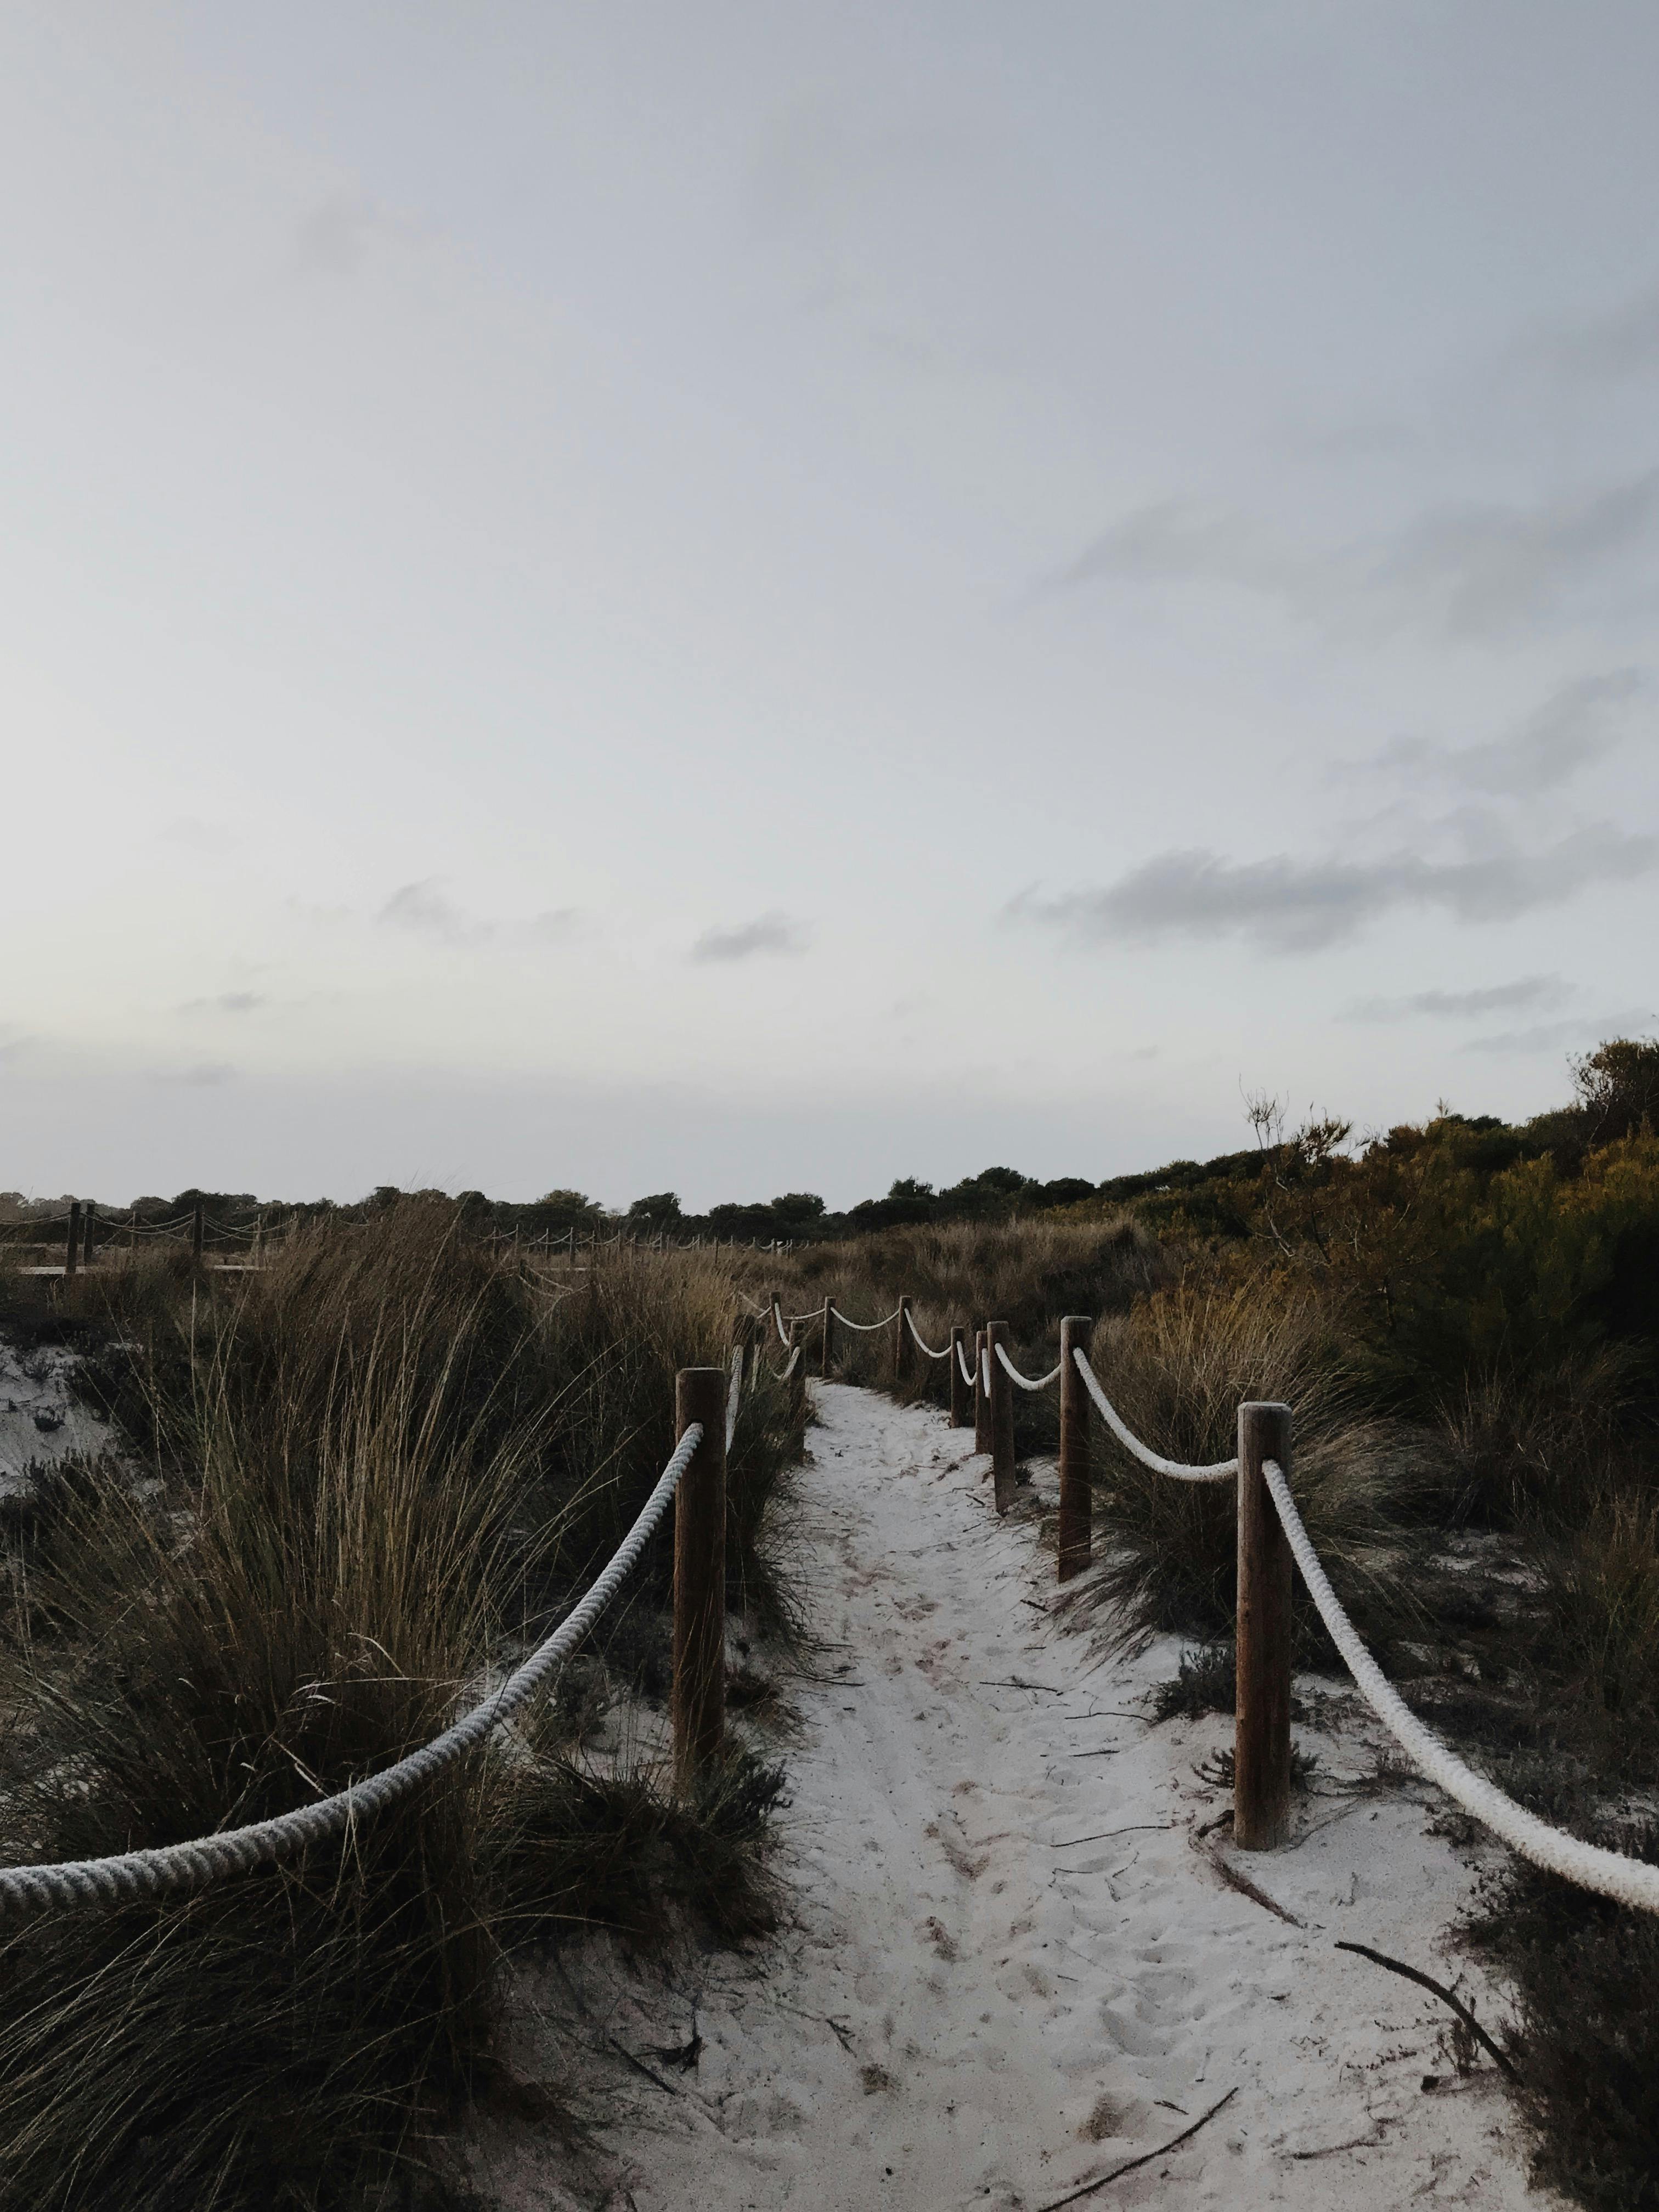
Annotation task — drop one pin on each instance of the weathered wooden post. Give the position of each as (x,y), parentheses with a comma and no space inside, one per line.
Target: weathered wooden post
(905,1352)
(1002,1417)
(829,1335)
(1076,1497)
(88,1232)
(1262,1741)
(982,1402)
(72,1241)
(798,1389)
(959,1388)
(197,1230)
(698,1699)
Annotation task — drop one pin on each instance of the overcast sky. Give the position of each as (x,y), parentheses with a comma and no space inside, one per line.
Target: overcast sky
(748,598)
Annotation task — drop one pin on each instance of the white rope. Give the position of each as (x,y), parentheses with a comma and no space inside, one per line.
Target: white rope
(869,1327)
(1631,1882)
(777,1321)
(970,1375)
(790,1364)
(921,1346)
(132,1876)
(733,1396)
(1024,1381)
(1219,1471)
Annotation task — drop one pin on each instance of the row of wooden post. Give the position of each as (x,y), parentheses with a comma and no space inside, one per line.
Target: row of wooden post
(1261,1743)
(82,1232)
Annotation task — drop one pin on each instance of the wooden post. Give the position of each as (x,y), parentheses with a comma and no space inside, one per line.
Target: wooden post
(1262,1741)
(1075,1499)
(904,1352)
(88,1232)
(959,1390)
(798,1391)
(698,1700)
(196,1227)
(828,1334)
(1002,1417)
(982,1403)
(72,1241)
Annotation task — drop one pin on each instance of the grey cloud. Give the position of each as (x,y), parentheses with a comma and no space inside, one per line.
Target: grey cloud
(333,238)
(1556,1036)
(1478,569)
(558,925)
(770,932)
(1473,570)
(1537,991)
(1292,906)
(204,1074)
(1574,727)
(422,908)
(227,1002)
(1602,348)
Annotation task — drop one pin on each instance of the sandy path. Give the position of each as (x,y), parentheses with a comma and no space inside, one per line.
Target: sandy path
(970,2005)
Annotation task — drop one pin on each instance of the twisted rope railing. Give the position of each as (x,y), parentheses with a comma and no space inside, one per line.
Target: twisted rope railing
(1631,1882)
(1025,1382)
(172,1870)
(1218,1471)
(868,1327)
(915,1332)
(970,1375)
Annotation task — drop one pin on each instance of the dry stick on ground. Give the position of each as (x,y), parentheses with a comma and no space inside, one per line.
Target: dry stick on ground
(1134,1828)
(640,2067)
(1241,1883)
(1439,1989)
(1145,2159)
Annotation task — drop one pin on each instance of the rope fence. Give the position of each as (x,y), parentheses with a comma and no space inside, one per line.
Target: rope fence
(1272,1541)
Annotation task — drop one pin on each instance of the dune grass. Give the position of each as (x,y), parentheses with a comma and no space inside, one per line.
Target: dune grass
(376,1470)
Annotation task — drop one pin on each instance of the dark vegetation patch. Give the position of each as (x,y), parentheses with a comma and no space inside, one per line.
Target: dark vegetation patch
(369,1472)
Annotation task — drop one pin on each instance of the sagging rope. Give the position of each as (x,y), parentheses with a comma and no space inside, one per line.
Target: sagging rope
(916,1333)
(1219,1471)
(868,1327)
(1024,1381)
(970,1375)
(132,1877)
(1629,1881)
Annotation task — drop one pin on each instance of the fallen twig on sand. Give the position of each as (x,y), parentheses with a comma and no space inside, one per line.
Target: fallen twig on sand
(1353,2142)
(1013,1683)
(639,2066)
(1145,2159)
(1439,1989)
(1241,1883)
(1134,1828)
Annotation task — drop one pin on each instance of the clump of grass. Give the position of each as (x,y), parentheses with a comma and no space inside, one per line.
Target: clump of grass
(1177,1367)
(1600,1598)
(1205,1682)
(375,1489)
(1586,2041)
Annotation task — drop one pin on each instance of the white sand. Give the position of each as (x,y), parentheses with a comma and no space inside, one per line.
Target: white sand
(968,2006)
(40,1421)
